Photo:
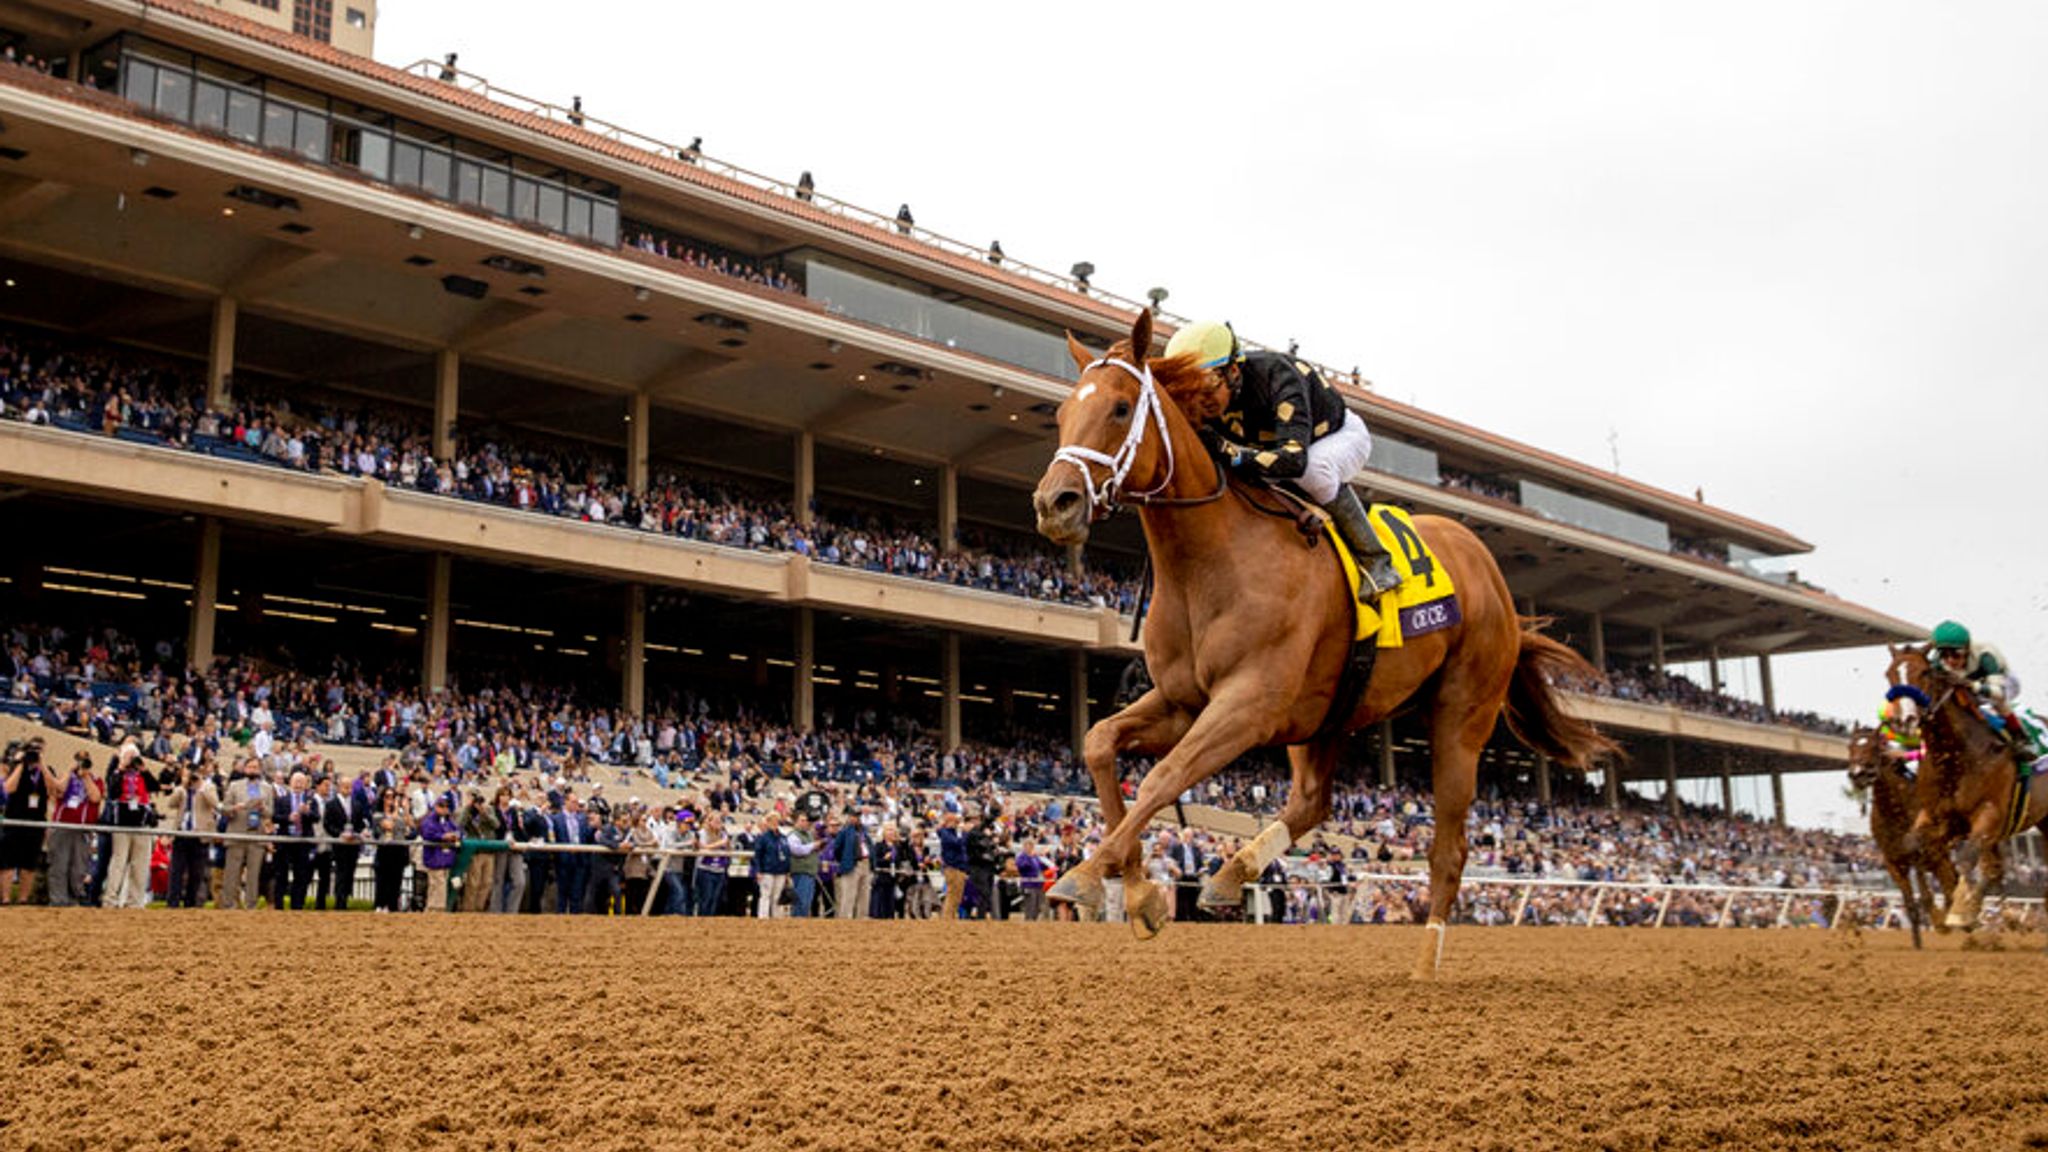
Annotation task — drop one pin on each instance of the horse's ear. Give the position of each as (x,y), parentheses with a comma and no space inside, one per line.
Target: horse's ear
(1141,336)
(1079,351)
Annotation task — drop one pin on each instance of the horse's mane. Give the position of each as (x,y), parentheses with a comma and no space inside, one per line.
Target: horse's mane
(1194,390)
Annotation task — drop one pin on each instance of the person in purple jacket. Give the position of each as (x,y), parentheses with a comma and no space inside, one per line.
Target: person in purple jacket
(1031,869)
(441,838)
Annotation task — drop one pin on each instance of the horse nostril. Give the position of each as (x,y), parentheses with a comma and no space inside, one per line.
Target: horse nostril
(1064,502)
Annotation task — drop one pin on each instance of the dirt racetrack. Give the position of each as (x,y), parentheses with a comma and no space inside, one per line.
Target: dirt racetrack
(217,1030)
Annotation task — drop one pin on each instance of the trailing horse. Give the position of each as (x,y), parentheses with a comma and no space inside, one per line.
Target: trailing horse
(1250,631)
(1919,873)
(1970,785)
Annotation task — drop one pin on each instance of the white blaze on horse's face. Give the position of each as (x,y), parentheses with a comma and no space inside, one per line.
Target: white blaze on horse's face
(1095,454)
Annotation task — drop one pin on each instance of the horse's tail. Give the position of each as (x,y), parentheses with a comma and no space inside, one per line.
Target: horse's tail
(1536,715)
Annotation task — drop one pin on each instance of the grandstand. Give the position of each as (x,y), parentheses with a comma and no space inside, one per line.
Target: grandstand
(391,367)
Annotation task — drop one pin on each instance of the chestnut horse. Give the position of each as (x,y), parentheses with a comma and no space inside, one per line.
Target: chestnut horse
(1967,782)
(1249,631)
(1922,875)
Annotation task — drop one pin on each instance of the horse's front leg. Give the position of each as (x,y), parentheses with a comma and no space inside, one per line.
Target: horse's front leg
(1150,726)
(1308,804)
(1968,902)
(1225,730)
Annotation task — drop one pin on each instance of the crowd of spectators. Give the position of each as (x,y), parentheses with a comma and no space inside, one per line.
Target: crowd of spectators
(699,255)
(541,752)
(47,382)
(1651,686)
(1462,481)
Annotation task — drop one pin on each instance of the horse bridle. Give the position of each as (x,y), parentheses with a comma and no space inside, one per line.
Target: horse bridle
(1104,500)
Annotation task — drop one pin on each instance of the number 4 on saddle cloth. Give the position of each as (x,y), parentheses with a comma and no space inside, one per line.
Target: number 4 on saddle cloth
(1425,601)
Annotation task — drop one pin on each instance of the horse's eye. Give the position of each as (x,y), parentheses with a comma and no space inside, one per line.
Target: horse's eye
(1123,409)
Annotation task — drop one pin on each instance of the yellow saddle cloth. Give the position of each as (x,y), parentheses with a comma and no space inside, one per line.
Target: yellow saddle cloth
(1424,602)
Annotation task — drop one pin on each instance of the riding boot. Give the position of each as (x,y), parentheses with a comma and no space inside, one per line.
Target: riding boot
(1374,562)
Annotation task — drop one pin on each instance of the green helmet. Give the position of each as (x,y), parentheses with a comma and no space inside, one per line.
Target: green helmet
(1949,634)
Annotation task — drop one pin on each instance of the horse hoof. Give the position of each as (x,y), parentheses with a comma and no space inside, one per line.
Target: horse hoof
(1146,908)
(1216,897)
(1432,956)
(1078,887)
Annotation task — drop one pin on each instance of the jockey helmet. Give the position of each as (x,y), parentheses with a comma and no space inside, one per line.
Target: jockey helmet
(1211,344)
(1949,634)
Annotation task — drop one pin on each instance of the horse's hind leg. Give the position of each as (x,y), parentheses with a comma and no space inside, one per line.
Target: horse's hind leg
(1308,804)
(1149,726)
(1902,875)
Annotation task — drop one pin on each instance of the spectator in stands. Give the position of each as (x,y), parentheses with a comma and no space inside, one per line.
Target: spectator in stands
(771,863)
(128,868)
(77,808)
(852,868)
(195,808)
(440,838)
(953,862)
(804,849)
(712,869)
(27,791)
(1031,871)
(392,831)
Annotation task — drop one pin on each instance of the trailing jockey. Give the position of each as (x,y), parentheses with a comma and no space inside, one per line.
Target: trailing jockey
(1992,680)
(1284,422)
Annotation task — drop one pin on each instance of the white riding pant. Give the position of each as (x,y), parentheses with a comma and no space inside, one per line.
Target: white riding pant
(1336,458)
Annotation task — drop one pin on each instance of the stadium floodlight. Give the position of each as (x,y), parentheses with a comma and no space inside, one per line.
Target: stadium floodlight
(995,251)
(641,294)
(138,157)
(1082,271)
(1157,296)
(416,232)
(904,220)
(805,186)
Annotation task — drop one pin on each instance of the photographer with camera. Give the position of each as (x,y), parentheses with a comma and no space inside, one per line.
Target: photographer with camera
(77,809)
(195,805)
(28,798)
(128,869)
(983,857)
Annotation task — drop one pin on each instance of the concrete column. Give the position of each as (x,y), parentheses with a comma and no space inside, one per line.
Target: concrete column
(1671,776)
(1727,783)
(633,652)
(1077,699)
(220,354)
(949,693)
(1778,798)
(1611,779)
(1657,649)
(806,471)
(1597,640)
(949,509)
(1714,667)
(638,411)
(434,668)
(1386,753)
(1763,679)
(802,692)
(1543,779)
(447,397)
(205,595)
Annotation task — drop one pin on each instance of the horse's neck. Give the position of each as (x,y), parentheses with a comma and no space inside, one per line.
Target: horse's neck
(1189,546)
(1951,748)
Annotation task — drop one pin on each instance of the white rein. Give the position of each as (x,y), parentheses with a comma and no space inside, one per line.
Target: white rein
(1119,464)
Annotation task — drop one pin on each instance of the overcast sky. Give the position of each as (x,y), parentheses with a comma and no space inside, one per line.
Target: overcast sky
(1795,255)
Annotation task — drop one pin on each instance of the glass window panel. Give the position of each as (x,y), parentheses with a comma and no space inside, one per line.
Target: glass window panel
(139,81)
(405,163)
(437,171)
(469,182)
(498,190)
(525,199)
(552,200)
(310,137)
(278,123)
(373,150)
(579,216)
(174,94)
(210,106)
(604,223)
(245,115)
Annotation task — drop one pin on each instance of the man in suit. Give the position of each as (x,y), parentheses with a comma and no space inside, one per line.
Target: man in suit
(852,868)
(571,871)
(247,804)
(296,815)
(338,849)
